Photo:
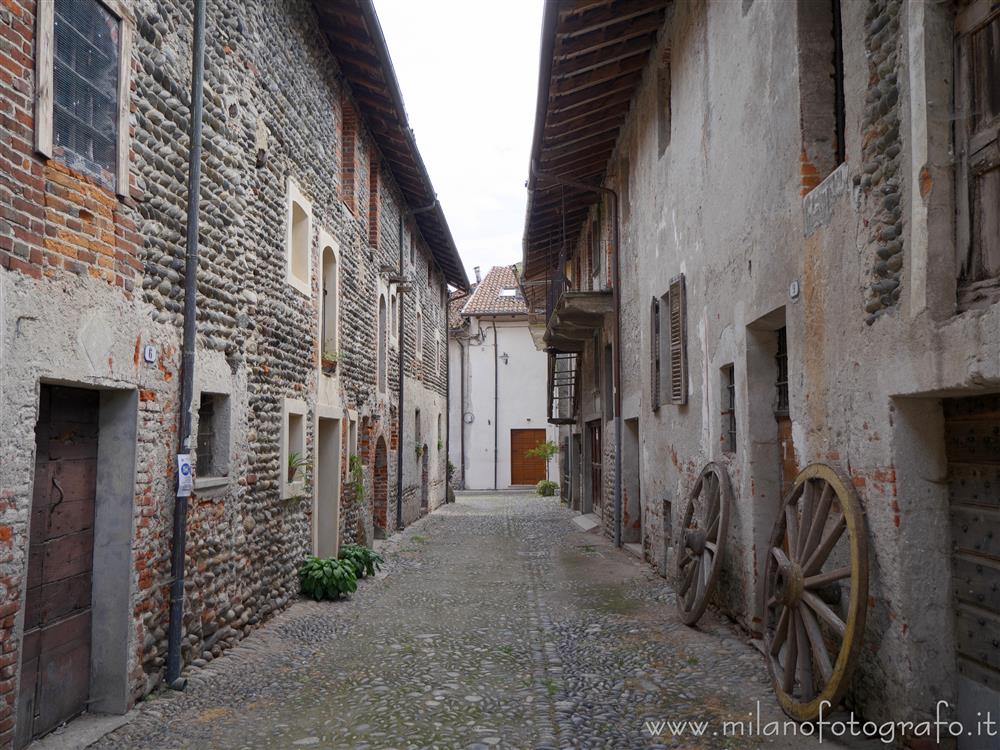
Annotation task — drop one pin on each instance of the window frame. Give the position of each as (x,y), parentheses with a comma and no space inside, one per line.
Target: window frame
(292,407)
(293,195)
(676,339)
(727,408)
(45,86)
(222,441)
(971,158)
(326,241)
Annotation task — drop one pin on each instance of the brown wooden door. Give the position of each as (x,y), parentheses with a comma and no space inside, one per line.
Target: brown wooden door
(596,465)
(524,469)
(55,671)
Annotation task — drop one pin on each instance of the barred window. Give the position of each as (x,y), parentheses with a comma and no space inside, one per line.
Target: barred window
(728,409)
(82,88)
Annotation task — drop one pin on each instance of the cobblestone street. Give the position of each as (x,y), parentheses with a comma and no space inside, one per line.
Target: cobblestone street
(498,624)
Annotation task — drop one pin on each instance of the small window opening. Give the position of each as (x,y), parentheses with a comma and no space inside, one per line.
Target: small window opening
(781,358)
(213,435)
(728,378)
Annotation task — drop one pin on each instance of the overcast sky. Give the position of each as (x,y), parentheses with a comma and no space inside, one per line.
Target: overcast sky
(469,74)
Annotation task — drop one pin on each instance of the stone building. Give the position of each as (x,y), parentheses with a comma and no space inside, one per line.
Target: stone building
(497,405)
(777,221)
(324,268)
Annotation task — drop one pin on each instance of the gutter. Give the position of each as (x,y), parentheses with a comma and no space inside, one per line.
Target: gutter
(179,539)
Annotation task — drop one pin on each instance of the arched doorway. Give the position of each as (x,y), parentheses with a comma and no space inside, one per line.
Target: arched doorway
(380,506)
(424,480)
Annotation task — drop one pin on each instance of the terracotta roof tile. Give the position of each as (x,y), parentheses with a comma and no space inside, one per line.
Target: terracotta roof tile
(487,299)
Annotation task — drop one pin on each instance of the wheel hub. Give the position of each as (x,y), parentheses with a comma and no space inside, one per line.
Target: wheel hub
(694,539)
(789,584)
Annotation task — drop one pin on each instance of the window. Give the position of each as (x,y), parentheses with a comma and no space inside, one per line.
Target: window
(82,75)
(781,359)
(297,250)
(419,348)
(352,436)
(663,118)
(821,89)
(654,353)
(213,436)
(728,393)
(978,155)
(394,319)
(294,465)
(382,359)
(328,305)
(676,335)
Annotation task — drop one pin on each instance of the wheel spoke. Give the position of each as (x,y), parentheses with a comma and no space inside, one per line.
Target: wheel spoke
(792,530)
(826,614)
(819,522)
(779,555)
(807,516)
(824,579)
(688,577)
(711,546)
(791,655)
(713,530)
(817,643)
(781,631)
(804,666)
(819,555)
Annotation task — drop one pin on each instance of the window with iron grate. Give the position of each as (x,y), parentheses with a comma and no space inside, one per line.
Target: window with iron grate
(781,358)
(728,392)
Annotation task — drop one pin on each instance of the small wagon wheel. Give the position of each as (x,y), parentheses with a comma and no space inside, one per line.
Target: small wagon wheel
(816,592)
(701,543)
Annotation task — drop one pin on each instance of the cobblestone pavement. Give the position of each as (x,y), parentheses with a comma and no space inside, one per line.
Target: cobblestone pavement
(499,624)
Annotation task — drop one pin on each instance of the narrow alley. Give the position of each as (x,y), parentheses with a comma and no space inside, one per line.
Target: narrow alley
(499,623)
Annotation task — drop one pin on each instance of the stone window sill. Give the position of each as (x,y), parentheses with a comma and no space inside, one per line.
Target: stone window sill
(208,486)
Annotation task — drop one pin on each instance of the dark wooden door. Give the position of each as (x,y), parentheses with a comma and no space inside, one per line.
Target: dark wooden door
(972,446)
(596,464)
(55,671)
(525,469)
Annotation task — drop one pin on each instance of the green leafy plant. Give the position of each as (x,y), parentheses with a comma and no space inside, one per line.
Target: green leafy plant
(357,478)
(546,488)
(451,470)
(296,461)
(440,444)
(544,450)
(366,561)
(327,577)
(420,451)
(329,360)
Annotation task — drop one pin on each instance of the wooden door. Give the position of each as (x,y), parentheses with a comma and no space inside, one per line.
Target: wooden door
(55,671)
(525,469)
(972,445)
(596,465)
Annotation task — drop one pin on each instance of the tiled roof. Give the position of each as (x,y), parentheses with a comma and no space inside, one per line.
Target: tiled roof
(488,300)
(456,301)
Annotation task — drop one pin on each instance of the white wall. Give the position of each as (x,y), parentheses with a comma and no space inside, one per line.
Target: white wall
(522,402)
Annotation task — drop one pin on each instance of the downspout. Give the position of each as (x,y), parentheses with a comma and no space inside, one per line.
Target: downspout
(447,390)
(496,406)
(401,291)
(178,543)
(616,296)
(461,415)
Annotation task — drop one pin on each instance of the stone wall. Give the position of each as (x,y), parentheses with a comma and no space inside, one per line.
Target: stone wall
(89,280)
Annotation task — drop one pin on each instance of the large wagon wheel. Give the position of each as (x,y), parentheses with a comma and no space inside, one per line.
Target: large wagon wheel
(701,542)
(816,592)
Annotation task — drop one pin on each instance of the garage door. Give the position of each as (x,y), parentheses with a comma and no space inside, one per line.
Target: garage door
(972,439)
(525,470)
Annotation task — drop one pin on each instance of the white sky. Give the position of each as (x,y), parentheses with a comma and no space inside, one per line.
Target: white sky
(468,70)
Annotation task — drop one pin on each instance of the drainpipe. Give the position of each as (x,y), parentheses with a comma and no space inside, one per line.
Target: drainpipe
(176,621)
(496,406)
(401,291)
(447,389)
(616,296)
(461,420)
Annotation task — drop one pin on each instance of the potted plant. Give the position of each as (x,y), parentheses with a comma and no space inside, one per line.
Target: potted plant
(296,461)
(329,361)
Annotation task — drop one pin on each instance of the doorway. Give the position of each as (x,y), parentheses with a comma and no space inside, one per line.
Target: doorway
(525,469)
(632,520)
(327,486)
(973,454)
(425,490)
(380,505)
(78,584)
(595,456)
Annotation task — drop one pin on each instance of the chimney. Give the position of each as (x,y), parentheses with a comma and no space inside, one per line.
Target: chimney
(476,269)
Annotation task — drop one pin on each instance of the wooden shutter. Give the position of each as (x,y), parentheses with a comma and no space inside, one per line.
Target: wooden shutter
(654,353)
(678,340)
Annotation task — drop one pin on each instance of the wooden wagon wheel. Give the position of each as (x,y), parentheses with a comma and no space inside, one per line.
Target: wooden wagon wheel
(816,592)
(701,541)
